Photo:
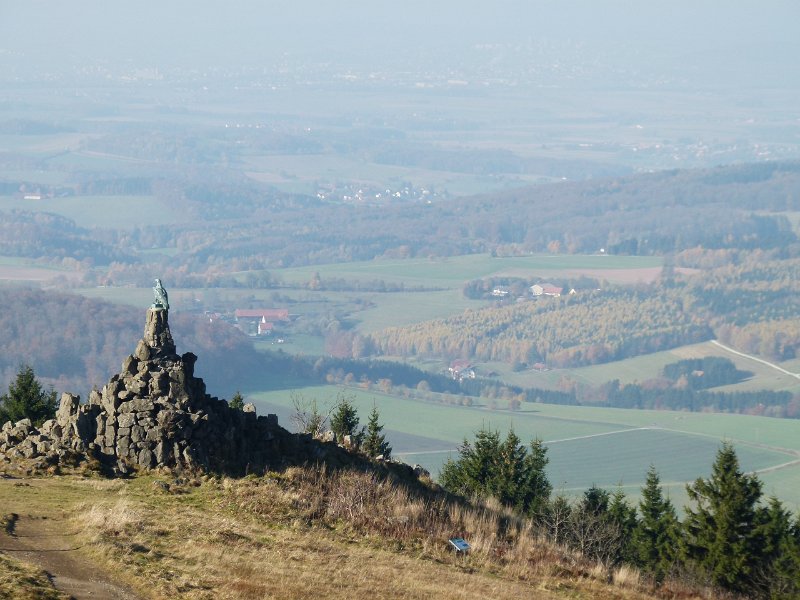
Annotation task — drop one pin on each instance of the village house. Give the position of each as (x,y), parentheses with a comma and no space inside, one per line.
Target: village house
(461,369)
(500,291)
(259,321)
(546,289)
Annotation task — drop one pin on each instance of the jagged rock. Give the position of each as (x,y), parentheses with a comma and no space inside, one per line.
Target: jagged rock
(142,351)
(95,398)
(145,459)
(157,334)
(137,433)
(421,471)
(130,366)
(67,409)
(155,413)
(126,420)
(189,360)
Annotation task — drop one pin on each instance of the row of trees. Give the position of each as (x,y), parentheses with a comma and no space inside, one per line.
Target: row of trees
(684,393)
(343,422)
(730,538)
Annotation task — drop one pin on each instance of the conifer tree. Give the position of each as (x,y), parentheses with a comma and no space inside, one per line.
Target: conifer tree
(26,399)
(622,517)
(344,421)
(504,470)
(473,472)
(375,443)
(237,402)
(656,535)
(721,534)
(778,575)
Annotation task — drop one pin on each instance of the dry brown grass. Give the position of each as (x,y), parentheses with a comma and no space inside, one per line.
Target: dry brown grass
(307,532)
(359,504)
(21,581)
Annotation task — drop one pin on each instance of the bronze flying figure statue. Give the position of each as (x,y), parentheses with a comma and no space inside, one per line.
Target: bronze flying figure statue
(162,300)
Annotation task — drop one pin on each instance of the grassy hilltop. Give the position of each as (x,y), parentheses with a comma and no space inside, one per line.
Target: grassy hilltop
(287,535)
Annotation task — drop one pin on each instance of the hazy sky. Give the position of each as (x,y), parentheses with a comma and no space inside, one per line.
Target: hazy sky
(44,34)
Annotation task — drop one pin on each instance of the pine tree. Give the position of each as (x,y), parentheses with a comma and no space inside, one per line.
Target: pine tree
(375,443)
(27,400)
(504,470)
(472,473)
(535,486)
(622,517)
(344,421)
(237,402)
(778,575)
(655,537)
(721,536)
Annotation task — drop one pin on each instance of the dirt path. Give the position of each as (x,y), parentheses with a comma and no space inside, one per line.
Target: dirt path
(49,544)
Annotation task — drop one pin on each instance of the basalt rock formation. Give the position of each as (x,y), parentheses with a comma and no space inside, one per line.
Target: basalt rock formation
(154,413)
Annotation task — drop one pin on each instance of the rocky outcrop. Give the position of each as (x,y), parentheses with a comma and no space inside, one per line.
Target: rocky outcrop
(154,413)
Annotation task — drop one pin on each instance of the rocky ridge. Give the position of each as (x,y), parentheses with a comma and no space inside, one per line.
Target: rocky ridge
(153,413)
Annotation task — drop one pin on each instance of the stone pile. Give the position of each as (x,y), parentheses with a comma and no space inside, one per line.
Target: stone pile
(154,413)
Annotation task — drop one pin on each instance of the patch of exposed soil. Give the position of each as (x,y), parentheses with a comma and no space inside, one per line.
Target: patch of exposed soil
(49,544)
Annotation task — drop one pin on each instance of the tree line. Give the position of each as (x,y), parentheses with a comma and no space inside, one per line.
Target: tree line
(731,537)
(737,207)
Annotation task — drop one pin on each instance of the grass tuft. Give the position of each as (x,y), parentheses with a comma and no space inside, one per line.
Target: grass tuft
(21,581)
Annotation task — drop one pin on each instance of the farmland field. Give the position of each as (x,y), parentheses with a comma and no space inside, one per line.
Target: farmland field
(16,269)
(586,445)
(125,212)
(455,271)
(301,173)
(649,366)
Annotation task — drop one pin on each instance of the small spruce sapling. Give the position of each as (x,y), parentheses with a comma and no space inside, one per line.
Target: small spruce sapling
(344,421)
(237,402)
(375,443)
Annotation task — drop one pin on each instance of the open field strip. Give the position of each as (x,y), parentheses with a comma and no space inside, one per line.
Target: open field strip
(302,174)
(46,143)
(406,308)
(650,366)
(16,269)
(593,435)
(454,271)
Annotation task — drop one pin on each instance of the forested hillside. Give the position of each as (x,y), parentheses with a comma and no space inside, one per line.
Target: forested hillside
(243,225)
(752,304)
(73,342)
(584,329)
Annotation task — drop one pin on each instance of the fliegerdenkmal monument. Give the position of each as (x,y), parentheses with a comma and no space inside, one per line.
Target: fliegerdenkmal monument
(162,300)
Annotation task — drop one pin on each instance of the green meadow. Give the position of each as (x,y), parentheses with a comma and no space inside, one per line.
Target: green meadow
(586,446)
(650,366)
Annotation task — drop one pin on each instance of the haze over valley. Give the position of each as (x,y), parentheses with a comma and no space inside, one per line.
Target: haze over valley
(576,221)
